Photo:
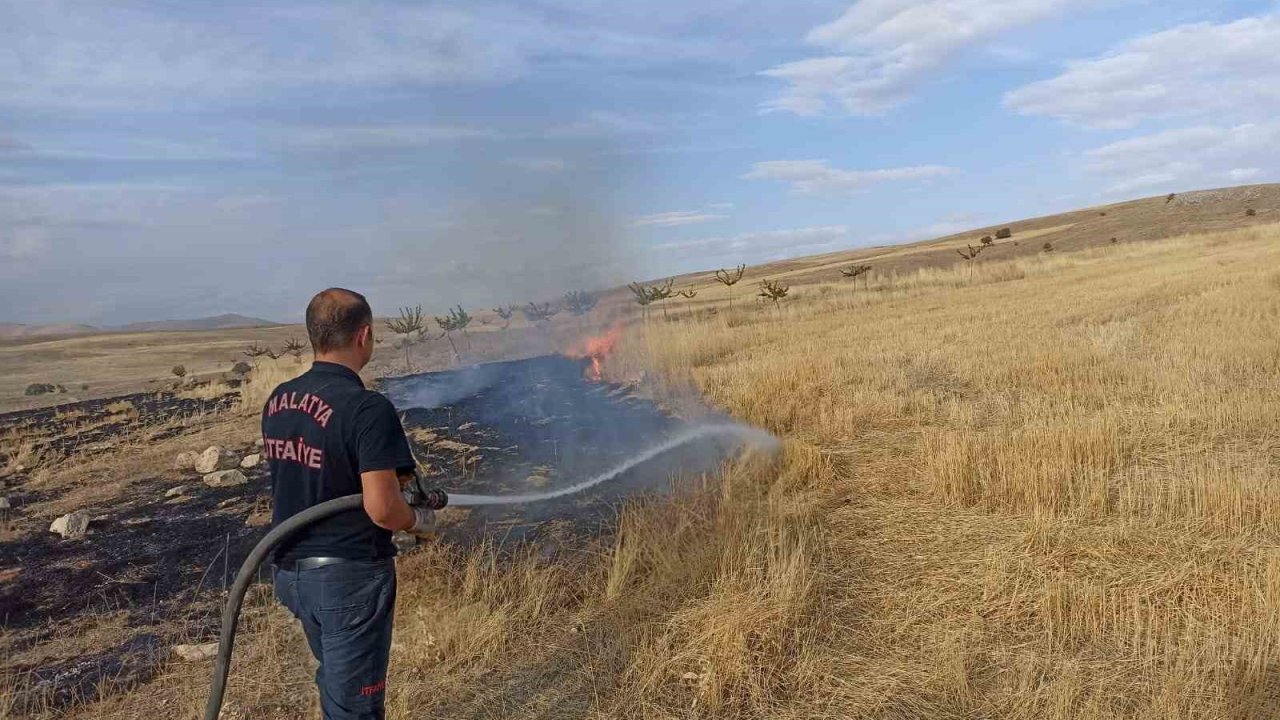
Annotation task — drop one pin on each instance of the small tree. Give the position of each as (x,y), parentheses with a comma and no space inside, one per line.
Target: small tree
(241,368)
(775,291)
(536,313)
(856,271)
(457,319)
(1250,212)
(579,302)
(1048,247)
(658,293)
(409,322)
(729,279)
(971,253)
(688,294)
(274,354)
(506,313)
(986,241)
(179,371)
(294,348)
(642,298)
(1004,233)
(253,352)
(1115,240)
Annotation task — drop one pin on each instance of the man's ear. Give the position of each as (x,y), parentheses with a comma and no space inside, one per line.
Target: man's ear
(365,337)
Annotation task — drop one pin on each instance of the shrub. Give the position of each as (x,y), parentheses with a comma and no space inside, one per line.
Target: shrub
(40,389)
(986,240)
(241,368)
(1004,234)
(1115,240)
(1250,212)
(179,371)
(1102,214)
(1048,247)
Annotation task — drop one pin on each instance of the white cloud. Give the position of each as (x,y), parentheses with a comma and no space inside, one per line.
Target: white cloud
(882,50)
(815,176)
(539,164)
(679,217)
(383,136)
(1187,157)
(762,246)
(1201,69)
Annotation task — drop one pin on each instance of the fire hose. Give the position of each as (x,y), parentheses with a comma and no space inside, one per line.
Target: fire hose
(430,498)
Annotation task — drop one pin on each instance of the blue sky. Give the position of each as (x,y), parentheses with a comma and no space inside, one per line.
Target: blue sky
(177,159)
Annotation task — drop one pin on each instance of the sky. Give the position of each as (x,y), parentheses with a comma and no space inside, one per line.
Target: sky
(164,160)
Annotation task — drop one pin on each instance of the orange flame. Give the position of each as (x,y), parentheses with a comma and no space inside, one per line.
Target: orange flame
(596,348)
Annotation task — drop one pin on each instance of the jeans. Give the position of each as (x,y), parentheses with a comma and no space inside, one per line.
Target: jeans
(346,611)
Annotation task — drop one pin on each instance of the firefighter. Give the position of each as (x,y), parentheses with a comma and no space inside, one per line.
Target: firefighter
(325,436)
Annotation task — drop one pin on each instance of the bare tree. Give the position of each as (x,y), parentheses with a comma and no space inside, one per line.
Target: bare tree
(274,354)
(856,271)
(293,347)
(505,312)
(409,322)
(253,352)
(662,292)
(775,291)
(536,313)
(688,294)
(729,279)
(579,302)
(642,298)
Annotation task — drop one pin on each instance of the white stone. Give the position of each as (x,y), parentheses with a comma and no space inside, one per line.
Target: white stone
(196,653)
(175,491)
(186,460)
(216,458)
(72,525)
(4,503)
(225,478)
(250,461)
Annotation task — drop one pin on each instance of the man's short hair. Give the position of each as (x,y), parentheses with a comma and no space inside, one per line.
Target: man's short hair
(334,317)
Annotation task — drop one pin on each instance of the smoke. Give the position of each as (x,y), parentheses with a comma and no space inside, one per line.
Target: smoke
(518,228)
(433,390)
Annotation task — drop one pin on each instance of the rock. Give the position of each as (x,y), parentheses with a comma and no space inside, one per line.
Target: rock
(225,478)
(4,503)
(175,491)
(72,525)
(250,461)
(257,442)
(196,653)
(216,458)
(186,460)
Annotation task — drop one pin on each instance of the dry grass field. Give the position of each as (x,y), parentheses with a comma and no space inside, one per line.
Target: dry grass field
(1041,487)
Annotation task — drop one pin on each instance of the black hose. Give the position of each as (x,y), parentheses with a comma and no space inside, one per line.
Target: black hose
(248,571)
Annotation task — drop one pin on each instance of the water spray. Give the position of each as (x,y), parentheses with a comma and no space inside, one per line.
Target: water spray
(249,570)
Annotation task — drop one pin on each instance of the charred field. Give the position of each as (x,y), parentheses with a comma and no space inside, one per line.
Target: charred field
(83,616)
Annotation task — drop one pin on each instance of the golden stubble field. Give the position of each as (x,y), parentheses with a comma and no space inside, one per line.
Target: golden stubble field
(1037,488)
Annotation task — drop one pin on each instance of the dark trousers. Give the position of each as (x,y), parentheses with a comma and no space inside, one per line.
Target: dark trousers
(346,611)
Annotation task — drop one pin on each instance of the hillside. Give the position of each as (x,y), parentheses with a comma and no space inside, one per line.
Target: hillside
(226,321)
(1145,219)
(16,331)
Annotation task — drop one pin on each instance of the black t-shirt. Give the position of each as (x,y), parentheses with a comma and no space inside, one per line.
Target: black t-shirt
(319,432)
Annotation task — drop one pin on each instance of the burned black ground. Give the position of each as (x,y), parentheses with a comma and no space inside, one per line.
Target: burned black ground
(158,566)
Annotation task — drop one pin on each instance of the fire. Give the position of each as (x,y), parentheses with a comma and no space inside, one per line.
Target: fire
(597,348)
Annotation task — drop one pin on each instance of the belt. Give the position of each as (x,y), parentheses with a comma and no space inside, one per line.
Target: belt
(311,563)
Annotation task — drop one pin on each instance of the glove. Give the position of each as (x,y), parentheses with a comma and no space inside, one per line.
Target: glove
(423,520)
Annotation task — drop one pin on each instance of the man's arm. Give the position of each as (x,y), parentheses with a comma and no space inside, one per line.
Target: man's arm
(383,501)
